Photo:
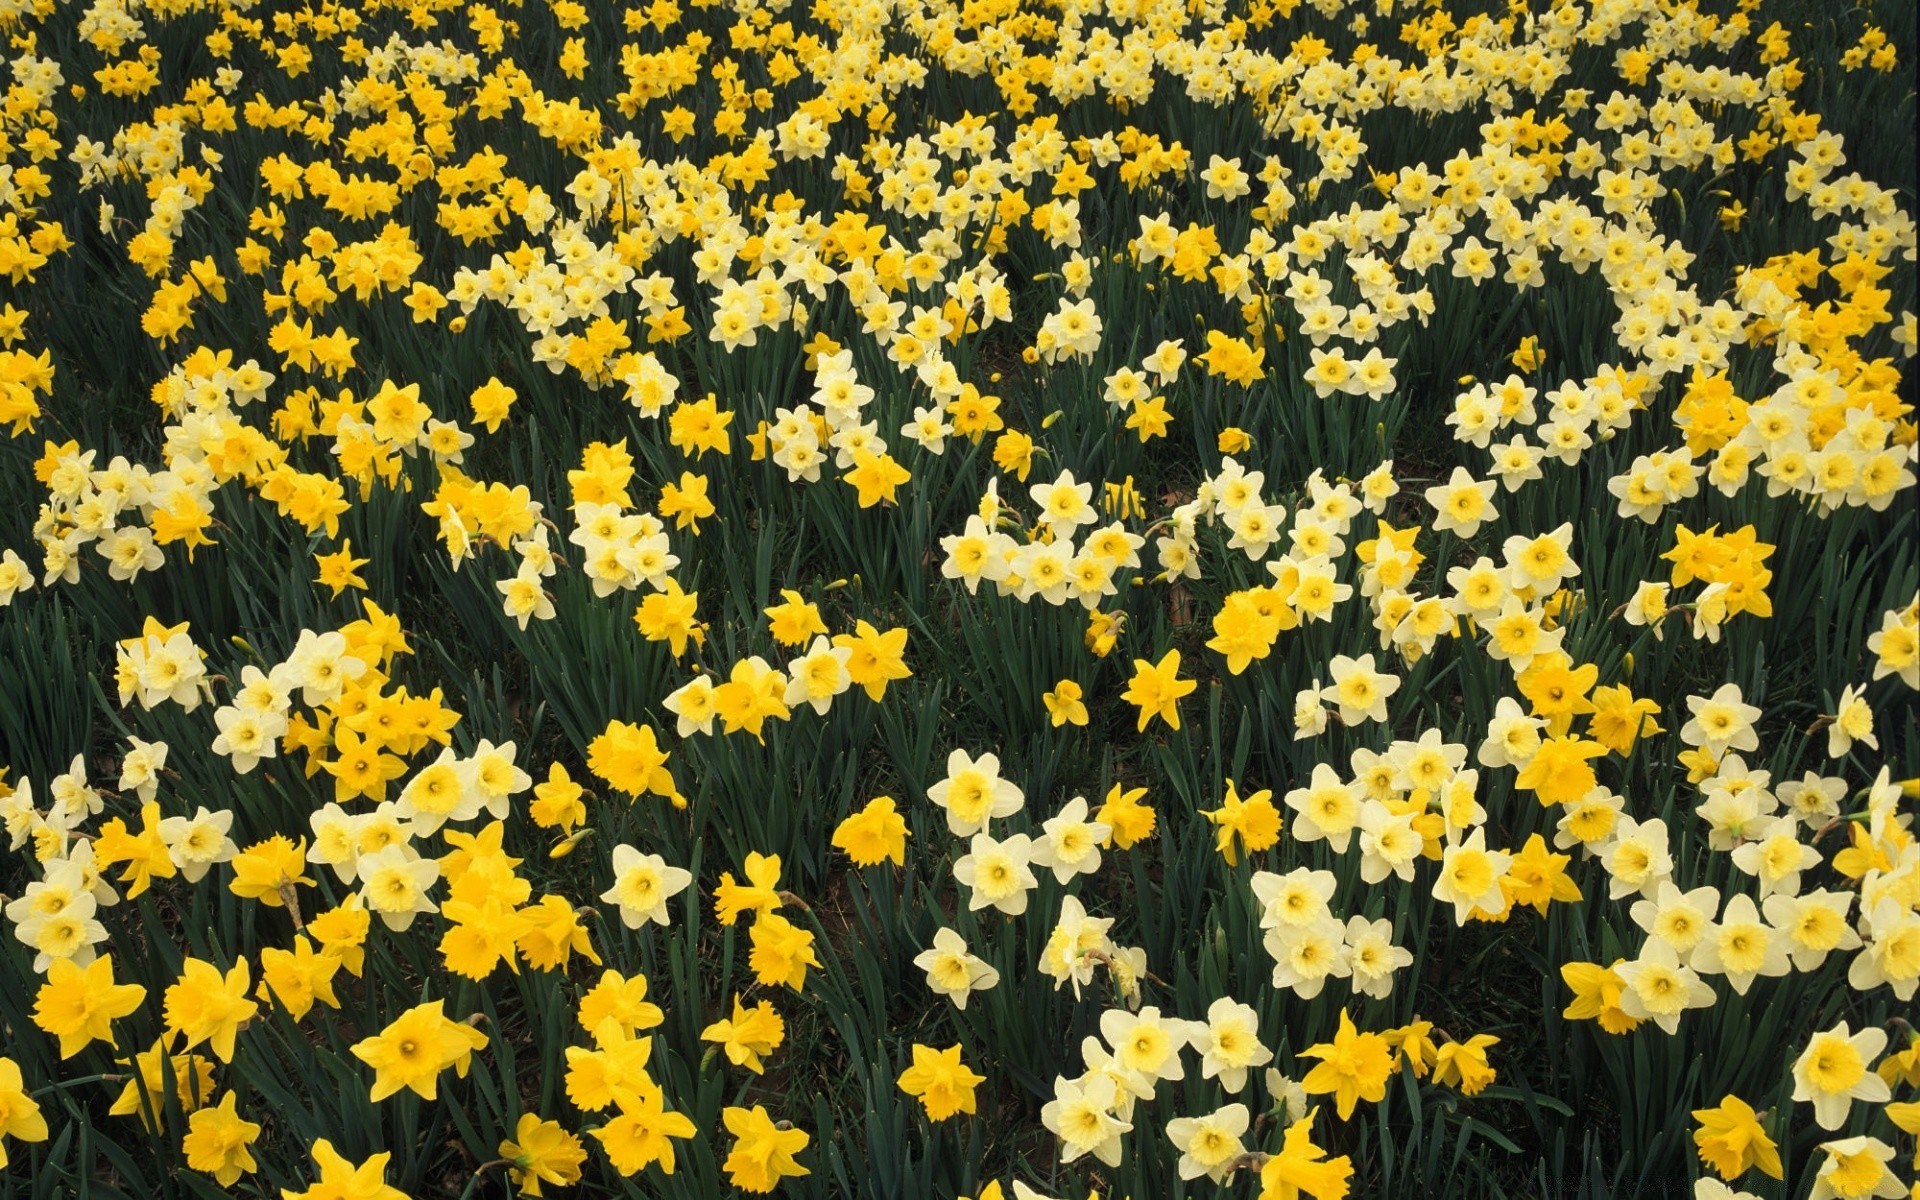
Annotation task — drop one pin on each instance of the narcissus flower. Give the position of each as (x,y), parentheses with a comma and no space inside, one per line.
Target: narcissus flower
(1596,996)
(997,873)
(642,1132)
(1856,1168)
(342,1180)
(1156,690)
(763,1150)
(1659,988)
(630,759)
(952,971)
(1360,691)
(1831,1073)
(642,885)
(395,882)
(542,1151)
(1732,1140)
(1229,1043)
(297,978)
(188,1076)
(873,835)
(219,1143)
(781,952)
(973,793)
(557,802)
(1302,1168)
(1470,876)
(1353,1067)
(78,1004)
(20,1116)
(1209,1145)
(1558,772)
(207,1006)
(759,895)
(271,870)
(1065,705)
(794,619)
(749,1035)
(1081,1114)
(1129,821)
(414,1048)
(1464,1064)
(940,1081)
(876,658)
(1251,824)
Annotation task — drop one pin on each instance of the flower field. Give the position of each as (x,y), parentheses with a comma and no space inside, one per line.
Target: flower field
(913,599)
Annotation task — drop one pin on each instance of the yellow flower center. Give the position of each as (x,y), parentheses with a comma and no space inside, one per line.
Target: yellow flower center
(1834,1066)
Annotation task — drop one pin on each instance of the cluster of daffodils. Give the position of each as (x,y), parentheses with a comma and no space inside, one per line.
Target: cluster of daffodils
(1766,833)
(755,691)
(488,918)
(1466,454)
(998,873)
(1048,565)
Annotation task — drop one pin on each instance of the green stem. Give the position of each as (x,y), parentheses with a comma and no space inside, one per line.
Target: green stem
(67,1083)
(480,1172)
